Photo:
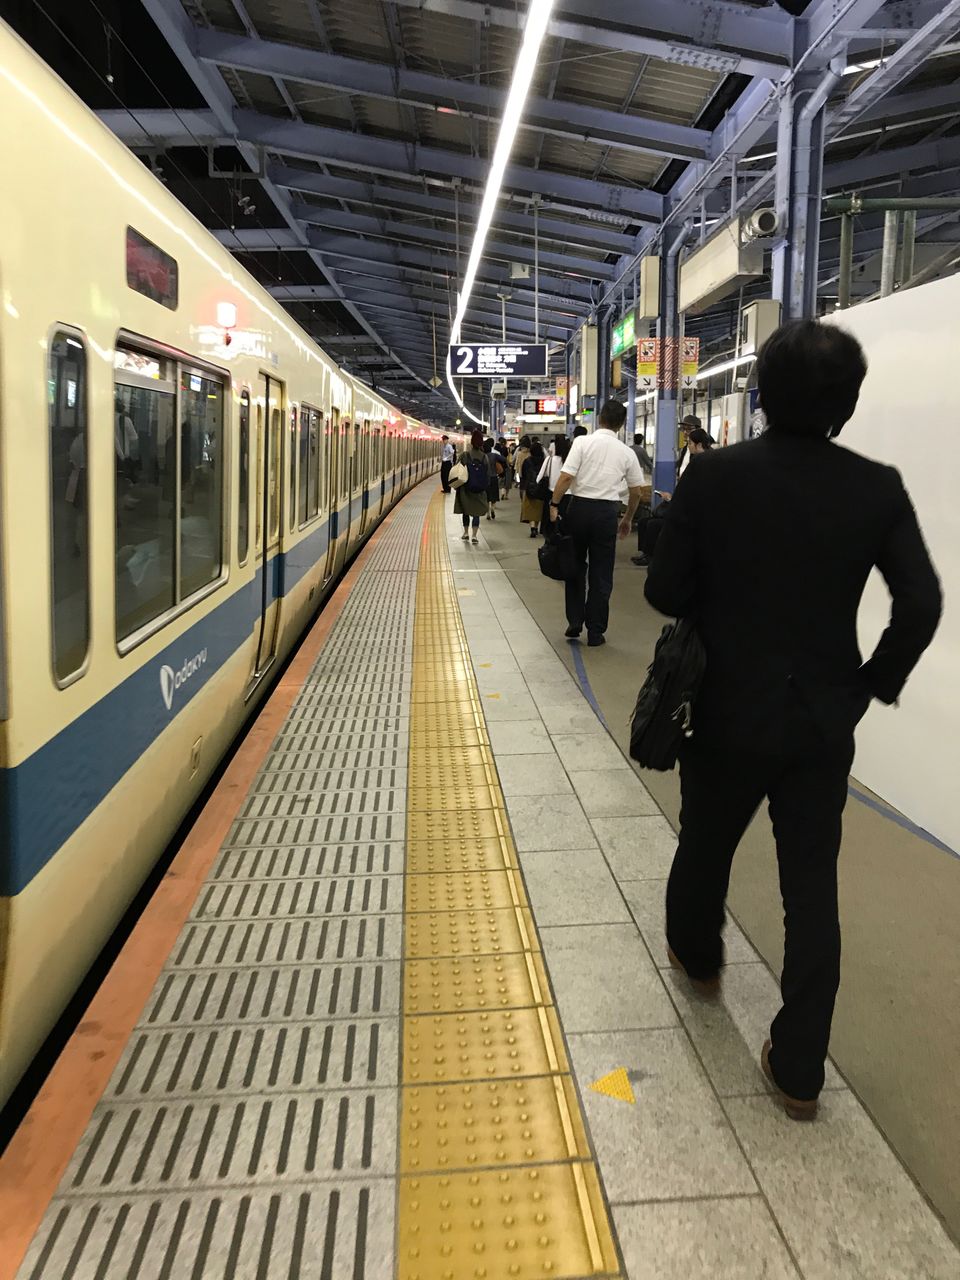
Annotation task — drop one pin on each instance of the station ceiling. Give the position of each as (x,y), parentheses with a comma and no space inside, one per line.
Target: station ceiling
(340,150)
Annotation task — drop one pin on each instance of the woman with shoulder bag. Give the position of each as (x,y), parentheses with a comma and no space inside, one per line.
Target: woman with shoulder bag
(548,477)
(532,509)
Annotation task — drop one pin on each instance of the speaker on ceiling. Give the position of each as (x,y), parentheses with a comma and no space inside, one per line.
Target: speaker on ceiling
(796,7)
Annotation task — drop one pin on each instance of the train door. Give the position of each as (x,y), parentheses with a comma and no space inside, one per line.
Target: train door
(268,463)
(331,490)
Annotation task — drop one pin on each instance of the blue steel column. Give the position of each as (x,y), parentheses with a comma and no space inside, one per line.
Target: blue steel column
(799,192)
(665,450)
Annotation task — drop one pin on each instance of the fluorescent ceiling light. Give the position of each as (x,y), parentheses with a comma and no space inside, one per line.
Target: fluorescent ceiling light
(724,367)
(538,15)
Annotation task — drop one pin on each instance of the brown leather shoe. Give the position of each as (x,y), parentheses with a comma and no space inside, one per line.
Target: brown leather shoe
(709,987)
(796,1108)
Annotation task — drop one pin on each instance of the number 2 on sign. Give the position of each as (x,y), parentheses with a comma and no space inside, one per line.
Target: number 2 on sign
(466,360)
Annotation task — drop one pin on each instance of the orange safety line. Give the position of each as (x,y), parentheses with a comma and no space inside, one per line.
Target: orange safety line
(40,1151)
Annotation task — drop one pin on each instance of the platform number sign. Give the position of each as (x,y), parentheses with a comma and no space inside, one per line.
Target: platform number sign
(498,360)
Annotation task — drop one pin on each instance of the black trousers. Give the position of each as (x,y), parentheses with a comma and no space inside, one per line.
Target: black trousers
(445,468)
(593,526)
(807,791)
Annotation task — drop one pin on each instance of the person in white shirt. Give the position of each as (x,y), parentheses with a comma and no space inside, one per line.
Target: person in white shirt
(550,471)
(448,456)
(595,472)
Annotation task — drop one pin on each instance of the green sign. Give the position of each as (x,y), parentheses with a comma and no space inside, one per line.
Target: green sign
(624,335)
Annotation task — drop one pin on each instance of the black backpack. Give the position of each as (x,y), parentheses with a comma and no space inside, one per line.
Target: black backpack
(663,716)
(478,474)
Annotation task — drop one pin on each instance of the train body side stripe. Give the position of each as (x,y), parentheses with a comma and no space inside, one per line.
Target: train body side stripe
(46,797)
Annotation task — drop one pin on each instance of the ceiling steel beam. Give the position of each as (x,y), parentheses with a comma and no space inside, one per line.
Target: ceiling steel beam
(149,127)
(177,30)
(442,208)
(711,34)
(944,153)
(394,231)
(573,120)
(901,64)
(387,258)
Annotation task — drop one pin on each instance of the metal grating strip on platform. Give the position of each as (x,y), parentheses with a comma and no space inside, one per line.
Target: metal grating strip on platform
(250,1129)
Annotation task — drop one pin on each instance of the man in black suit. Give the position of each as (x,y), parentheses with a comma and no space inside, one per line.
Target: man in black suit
(768,546)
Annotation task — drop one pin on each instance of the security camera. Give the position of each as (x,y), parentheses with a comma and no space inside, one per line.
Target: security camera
(761,224)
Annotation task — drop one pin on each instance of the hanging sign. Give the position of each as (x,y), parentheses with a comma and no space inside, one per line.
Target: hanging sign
(690,362)
(648,357)
(499,360)
(624,335)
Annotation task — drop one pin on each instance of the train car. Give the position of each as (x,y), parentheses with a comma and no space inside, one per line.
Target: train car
(183,474)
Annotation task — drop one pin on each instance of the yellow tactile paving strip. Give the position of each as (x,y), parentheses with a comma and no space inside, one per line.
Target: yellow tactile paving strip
(497,1181)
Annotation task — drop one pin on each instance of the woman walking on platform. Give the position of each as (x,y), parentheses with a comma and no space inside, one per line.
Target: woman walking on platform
(532,510)
(550,472)
(471,501)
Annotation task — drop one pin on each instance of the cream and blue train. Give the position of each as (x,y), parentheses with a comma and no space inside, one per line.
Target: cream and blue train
(183,474)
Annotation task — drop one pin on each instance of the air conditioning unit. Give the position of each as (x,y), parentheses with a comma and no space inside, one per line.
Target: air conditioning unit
(588,360)
(498,391)
(648,290)
(757,322)
(719,268)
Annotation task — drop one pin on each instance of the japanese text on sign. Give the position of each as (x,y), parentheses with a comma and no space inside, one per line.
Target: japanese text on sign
(492,360)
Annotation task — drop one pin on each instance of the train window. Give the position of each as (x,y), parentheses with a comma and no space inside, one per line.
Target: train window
(145,467)
(169,484)
(274,492)
(150,271)
(309,463)
(201,481)
(243,519)
(292,517)
(69,558)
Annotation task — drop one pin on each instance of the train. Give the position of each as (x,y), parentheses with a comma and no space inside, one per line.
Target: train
(183,475)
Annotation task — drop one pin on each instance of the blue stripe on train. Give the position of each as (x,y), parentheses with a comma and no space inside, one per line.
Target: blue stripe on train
(45,798)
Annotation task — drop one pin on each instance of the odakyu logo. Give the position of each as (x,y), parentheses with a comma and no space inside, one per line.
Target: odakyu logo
(171,681)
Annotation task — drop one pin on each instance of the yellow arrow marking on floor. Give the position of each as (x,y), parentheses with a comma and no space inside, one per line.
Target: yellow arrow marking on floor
(486,665)
(466,593)
(493,695)
(615,1085)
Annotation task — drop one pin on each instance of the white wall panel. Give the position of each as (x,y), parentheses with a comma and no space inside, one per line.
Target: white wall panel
(908,416)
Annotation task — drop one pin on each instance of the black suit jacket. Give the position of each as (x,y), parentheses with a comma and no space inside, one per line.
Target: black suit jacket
(768,546)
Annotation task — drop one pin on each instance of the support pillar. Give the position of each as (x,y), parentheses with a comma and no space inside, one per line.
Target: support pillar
(668,328)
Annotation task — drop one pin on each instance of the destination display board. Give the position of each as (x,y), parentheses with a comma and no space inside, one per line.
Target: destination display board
(624,335)
(499,360)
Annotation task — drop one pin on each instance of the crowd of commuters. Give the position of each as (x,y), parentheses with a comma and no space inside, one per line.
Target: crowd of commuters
(760,546)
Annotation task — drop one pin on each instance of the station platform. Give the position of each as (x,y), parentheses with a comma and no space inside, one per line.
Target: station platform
(401,1008)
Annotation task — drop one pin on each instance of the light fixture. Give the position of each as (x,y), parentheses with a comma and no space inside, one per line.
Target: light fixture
(538,16)
(724,367)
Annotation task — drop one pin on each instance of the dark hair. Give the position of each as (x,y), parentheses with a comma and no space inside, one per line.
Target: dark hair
(561,448)
(810,375)
(613,415)
(476,441)
(524,442)
(444,437)
(536,451)
(579,431)
(697,435)
(488,445)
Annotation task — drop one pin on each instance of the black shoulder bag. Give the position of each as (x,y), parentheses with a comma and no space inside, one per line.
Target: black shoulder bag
(663,716)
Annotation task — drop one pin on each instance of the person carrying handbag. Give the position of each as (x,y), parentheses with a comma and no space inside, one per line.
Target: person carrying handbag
(548,477)
(531,512)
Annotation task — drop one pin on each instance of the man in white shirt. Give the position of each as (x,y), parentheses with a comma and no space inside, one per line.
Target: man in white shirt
(595,472)
(448,455)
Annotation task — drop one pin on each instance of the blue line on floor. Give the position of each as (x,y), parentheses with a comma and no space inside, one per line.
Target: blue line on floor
(585,682)
(885,811)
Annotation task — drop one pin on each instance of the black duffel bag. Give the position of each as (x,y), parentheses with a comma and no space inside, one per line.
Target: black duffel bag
(663,716)
(557,558)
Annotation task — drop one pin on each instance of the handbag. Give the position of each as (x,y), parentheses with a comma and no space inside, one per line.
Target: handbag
(458,475)
(557,558)
(663,715)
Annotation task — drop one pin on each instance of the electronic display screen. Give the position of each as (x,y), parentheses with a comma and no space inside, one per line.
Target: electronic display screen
(150,271)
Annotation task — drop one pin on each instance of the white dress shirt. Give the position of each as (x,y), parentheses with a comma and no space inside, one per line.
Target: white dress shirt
(550,471)
(602,466)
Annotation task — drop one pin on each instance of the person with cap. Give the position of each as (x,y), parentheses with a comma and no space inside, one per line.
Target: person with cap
(698,442)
